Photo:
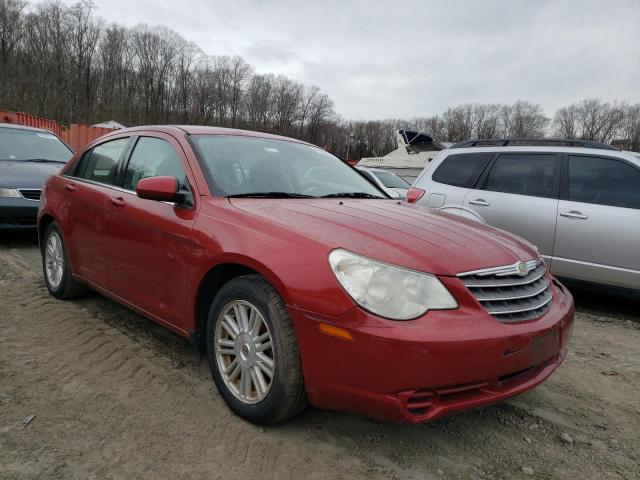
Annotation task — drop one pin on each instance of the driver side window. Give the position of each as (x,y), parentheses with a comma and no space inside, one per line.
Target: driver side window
(153,157)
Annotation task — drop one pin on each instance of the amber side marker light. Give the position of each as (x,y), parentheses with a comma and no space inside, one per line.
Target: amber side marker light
(337,332)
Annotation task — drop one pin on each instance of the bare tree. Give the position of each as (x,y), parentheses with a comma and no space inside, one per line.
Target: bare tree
(62,62)
(187,57)
(319,114)
(83,32)
(258,100)
(591,119)
(565,122)
(486,120)
(523,119)
(597,120)
(630,128)
(287,98)
(240,72)
(12,30)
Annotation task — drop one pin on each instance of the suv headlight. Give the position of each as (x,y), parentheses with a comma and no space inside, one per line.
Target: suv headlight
(389,291)
(9,192)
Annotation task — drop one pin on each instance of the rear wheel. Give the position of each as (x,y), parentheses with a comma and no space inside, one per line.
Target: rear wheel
(55,265)
(253,352)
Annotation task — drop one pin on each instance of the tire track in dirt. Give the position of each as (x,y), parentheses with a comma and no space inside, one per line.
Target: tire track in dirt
(115,399)
(127,395)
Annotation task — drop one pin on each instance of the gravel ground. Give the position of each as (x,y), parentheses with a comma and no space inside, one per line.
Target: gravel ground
(91,390)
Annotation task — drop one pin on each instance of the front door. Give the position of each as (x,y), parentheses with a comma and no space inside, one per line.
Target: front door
(150,248)
(519,195)
(598,237)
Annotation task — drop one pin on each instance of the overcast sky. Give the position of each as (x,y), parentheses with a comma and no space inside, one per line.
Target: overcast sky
(384,59)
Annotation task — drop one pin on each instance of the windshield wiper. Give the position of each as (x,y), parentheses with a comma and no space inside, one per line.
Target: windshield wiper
(270,195)
(352,195)
(41,160)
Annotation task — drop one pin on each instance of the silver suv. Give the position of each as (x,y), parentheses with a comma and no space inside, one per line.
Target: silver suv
(577,201)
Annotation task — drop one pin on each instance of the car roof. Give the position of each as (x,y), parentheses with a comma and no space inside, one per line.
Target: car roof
(23,127)
(551,149)
(205,130)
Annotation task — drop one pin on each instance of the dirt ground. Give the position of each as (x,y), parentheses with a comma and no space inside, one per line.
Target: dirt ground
(89,390)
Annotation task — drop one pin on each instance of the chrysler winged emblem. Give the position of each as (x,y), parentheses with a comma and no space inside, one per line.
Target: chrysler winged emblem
(522,268)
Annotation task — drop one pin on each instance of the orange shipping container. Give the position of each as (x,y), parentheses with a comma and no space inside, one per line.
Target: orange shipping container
(81,135)
(20,118)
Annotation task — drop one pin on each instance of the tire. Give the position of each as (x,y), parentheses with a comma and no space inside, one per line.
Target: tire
(285,395)
(61,284)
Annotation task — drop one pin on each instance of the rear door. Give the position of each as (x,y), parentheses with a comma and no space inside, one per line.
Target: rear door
(598,238)
(87,189)
(450,181)
(150,246)
(519,194)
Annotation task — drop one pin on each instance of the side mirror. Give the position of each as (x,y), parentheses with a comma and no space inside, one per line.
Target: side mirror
(164,189)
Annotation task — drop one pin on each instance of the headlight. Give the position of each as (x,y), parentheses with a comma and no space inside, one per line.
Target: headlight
(389,291)
(9,192)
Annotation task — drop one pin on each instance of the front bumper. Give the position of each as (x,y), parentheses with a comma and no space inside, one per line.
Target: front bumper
(441,363)
(18,213)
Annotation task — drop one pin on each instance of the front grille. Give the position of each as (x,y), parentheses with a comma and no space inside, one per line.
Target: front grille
(30,194)
(514,293)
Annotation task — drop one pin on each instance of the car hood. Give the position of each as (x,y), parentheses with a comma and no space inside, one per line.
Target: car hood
(395,232)
(26,174)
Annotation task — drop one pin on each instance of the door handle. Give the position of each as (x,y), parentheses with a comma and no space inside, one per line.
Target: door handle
(70,187)
(574,214)
(117,202)
(480,201)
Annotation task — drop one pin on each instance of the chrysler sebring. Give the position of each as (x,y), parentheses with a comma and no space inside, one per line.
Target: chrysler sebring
(302,286)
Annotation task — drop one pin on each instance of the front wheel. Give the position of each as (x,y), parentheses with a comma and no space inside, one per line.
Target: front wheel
(55,265)
(253,352)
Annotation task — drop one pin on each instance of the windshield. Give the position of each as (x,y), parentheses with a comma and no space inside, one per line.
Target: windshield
(391,180)
(242,166)
(18,144)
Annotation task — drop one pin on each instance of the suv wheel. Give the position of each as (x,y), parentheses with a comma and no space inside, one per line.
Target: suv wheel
(253,352)
(55,265)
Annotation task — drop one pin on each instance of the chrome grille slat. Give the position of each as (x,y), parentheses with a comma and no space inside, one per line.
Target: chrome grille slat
(493,282)
(511,293)
(30,193)
(539,286)
(523,306)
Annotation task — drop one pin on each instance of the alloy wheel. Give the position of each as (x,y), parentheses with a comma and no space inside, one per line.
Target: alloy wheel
(54,260)
(244,351)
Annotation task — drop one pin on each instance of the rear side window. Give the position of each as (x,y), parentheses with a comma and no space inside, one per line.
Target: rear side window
(603,181)
(101,164)
(524,174)
(153,157)
(462,170)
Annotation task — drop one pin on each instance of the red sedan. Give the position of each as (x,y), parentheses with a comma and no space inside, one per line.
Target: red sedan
(299,278)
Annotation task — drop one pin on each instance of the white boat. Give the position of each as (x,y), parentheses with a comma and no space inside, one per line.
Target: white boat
(415,151)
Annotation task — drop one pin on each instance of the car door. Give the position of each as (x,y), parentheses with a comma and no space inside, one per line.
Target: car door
(598,235)
(150,248)
(88,187)
(519,194)
(447,184)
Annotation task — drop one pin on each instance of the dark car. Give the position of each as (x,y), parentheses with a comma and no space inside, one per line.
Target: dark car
(296,286)
(27,157)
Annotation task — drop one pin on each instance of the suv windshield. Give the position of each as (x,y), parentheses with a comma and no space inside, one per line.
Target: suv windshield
(19,145)
(248,166)
(391,180)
